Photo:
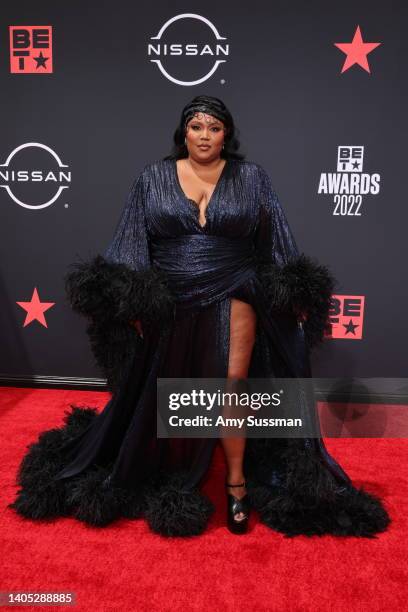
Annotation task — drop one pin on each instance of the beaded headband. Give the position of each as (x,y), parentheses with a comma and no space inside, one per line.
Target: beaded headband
(191,111)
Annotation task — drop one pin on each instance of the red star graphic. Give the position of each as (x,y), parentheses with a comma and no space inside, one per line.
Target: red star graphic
(356,51)
(35,309)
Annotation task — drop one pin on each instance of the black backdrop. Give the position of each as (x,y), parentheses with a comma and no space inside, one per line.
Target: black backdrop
(103,110)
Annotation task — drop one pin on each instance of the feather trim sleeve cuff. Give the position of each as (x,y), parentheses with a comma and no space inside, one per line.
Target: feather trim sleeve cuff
(301,285)
(104,290)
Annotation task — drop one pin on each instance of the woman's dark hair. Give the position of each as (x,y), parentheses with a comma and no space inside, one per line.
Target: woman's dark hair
(216,108)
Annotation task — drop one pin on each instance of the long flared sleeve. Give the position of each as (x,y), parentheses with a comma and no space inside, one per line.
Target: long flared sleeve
(293,282)
(121,283)
(119,286)
(130,242)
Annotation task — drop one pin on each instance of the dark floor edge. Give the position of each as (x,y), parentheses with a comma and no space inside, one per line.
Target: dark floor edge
(400,396)
(57,382)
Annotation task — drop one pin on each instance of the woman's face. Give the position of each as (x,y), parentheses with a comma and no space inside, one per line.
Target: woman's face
(204,137)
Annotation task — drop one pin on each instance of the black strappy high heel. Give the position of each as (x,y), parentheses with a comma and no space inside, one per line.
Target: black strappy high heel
(235,506)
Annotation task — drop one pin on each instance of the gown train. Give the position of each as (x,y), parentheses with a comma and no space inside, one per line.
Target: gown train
(179,278)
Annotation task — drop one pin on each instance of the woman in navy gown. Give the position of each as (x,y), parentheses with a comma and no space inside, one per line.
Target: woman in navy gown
(196,282)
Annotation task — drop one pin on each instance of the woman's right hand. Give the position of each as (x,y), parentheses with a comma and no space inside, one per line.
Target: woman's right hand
(138,326)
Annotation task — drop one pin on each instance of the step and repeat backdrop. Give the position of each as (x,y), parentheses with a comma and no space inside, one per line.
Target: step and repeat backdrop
(92,92)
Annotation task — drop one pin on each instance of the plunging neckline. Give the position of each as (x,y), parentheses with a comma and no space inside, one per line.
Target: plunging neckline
(196,206)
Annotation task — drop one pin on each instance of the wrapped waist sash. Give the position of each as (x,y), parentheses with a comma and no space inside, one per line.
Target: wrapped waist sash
(201,268)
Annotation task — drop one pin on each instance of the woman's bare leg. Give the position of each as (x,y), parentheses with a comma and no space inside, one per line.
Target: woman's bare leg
(242,339)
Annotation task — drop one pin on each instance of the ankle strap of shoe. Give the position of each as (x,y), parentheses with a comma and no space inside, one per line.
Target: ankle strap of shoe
(235,485)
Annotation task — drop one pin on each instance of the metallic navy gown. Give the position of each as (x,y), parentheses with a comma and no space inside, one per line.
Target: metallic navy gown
(178,278)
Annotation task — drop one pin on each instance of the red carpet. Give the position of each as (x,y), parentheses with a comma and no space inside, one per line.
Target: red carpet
(126,567)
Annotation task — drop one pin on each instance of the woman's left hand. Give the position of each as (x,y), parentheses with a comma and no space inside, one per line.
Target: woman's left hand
(302,316)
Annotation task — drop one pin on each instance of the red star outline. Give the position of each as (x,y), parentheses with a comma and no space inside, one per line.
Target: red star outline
(35,309)
(356,51)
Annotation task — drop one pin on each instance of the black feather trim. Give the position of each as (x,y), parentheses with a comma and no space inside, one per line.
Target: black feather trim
(91,496)
(94,502)
(300,285)
(98,501)
(77,419)
(173,510)
(104,290)
(41,496)
(112,295)
(312,502)
(42,502)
